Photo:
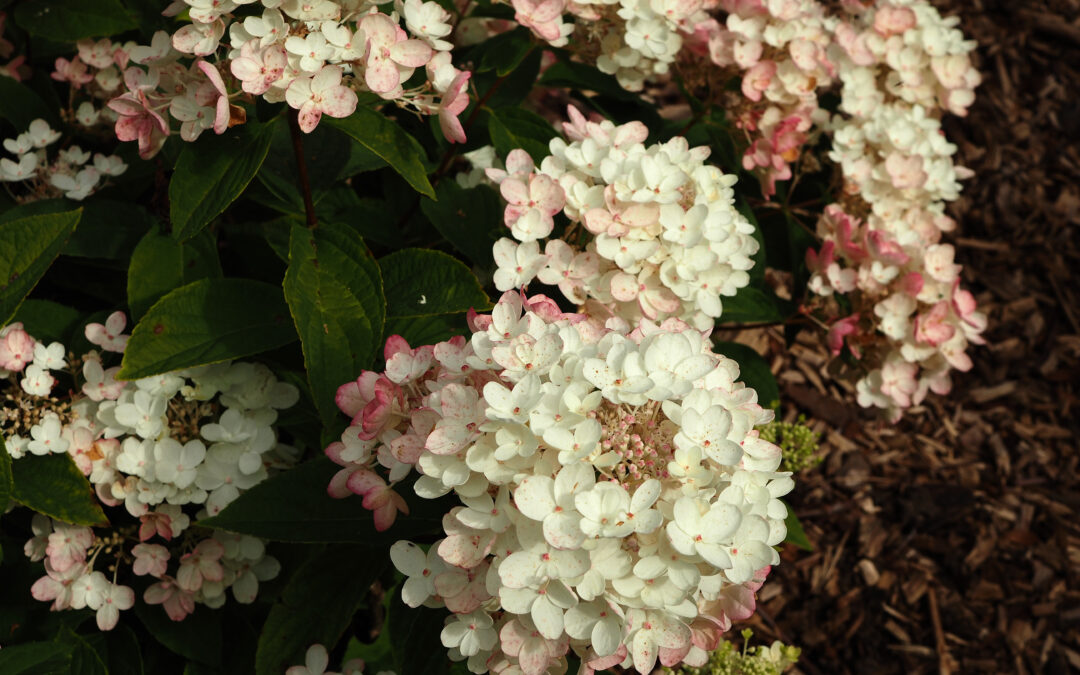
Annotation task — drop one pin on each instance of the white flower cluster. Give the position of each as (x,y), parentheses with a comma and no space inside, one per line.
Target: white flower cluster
(615,497)
(664,238)
(896,157)
(71,173)
(196,437)
(312,55)
(636,40)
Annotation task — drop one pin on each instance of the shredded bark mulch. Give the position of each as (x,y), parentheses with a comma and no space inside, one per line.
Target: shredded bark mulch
(950,542)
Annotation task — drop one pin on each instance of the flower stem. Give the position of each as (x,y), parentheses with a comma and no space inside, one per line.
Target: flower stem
(301,168)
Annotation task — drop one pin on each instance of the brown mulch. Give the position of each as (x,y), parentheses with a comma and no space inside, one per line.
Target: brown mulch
(950,542)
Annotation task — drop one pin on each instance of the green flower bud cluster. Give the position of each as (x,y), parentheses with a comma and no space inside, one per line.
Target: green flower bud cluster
(760,660)
(798,442)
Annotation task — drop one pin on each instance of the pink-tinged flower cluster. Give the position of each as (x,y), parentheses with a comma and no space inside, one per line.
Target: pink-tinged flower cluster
(72,172)
(613,496)
(782,51)
(663,238)
(912,322)
(787,51)
(313,56)
(167,449)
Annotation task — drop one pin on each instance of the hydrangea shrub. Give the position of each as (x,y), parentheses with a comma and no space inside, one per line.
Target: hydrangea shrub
(395,335)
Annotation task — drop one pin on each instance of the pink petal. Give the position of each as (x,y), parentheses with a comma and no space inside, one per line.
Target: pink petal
(327,78)
(213,75)
(309,117)
(451,126)
(411,53)
(381,75)
(221,116)
(339,102)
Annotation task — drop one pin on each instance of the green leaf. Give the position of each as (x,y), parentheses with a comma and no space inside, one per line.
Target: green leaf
(35,658)
(504,52)
(335,295)
(469,218)
(70,20)
(317,605)
(754,305)
(519,128)
(84,659)
(577,75)
(198,637)
(753,370)
(20,105)
(328,156)
(272,510)
(109,229)
(28,247)
(795,533)
(48,321)
(212,172)
(207,321)
(123,651)
(427,330)
(160,264)
(422,282)
(373,218)
(54,486)
(414,638)
(377,656)
(389,141)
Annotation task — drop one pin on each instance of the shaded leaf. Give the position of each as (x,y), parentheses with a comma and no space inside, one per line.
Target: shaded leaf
(28,247)
(427,330)
(335,295)
(35,658)
(519,128)
(795,533)
(753,305)
(109,229)
(504,52)
(414,638)
(469,218)
(54,486)
(207,321)
(20,105)
(48,321)
(84,658)
(197,637)
(577,75)
(316,605)
(70,20)
(211,173)
(389,141)
(160,264)
(422,282)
